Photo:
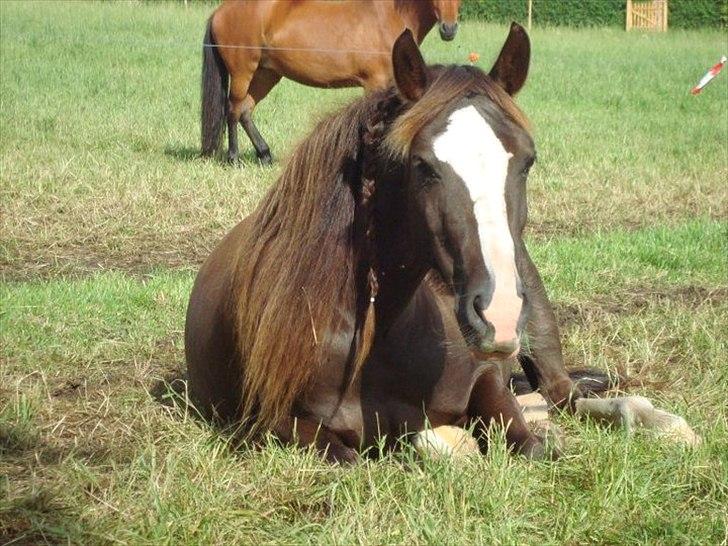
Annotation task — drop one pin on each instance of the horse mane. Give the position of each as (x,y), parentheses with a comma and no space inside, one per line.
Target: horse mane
(298,267)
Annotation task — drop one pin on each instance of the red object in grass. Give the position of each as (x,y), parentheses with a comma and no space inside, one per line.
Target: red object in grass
(473,57)
(709,75)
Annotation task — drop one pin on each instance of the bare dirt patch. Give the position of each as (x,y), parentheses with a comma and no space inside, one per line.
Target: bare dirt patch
(640,332)
(632,300)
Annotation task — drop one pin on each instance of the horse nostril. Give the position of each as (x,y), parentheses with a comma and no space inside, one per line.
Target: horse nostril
(478,304)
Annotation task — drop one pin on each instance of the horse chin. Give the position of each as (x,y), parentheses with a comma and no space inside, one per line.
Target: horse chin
(492,356)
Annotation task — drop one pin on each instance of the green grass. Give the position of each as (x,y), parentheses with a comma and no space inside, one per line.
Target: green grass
(99,132)
(106,213)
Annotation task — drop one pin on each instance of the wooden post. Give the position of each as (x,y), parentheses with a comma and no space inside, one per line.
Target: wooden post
(530,11)
(664,16)
(628,22)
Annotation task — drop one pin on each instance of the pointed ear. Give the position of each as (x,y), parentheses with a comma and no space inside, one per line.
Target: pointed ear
(410,71)
(511,66)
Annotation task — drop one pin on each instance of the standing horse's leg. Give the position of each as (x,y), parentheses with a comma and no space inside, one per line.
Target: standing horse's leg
(491,400)
(546,365)
(304,432)
(263,81)
(236,100)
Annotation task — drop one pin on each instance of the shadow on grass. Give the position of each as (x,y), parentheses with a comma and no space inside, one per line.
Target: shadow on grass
(247,158)
(183,153)
(171,391)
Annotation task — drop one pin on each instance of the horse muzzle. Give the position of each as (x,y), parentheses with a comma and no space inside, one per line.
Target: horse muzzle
(486,334)
(448,31)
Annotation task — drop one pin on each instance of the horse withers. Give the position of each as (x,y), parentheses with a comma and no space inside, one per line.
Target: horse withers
(250,45)
(383,282)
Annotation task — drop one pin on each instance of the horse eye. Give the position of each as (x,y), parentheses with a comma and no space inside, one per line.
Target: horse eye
(426,175)
(529,163)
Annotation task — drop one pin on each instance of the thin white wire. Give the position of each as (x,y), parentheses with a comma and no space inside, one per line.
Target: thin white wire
(312,49)
(218,46)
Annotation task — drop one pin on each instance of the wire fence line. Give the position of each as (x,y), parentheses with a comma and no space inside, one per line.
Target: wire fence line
(146,43)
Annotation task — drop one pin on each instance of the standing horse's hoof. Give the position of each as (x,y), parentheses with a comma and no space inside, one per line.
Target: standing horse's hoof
(265,158)
(232,160)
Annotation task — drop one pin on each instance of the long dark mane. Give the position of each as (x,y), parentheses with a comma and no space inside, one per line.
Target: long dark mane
(298,275)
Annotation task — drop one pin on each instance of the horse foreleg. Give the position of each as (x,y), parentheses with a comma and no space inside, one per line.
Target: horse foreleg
(303,432)
(630,412)
(546,367)
(263,81)
(491,401)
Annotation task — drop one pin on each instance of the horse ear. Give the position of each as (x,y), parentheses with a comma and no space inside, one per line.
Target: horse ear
(511,66)
(410,71)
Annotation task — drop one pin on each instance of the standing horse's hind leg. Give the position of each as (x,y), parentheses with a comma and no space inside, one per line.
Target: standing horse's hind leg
(262,150)
(263,81)
(234,113)
(236,102)
(490,400)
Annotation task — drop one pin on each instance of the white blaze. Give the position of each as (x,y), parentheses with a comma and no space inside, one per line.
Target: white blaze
(470,146)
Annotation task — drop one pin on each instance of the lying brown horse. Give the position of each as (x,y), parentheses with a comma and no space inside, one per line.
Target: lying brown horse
(314,42)
(383,283)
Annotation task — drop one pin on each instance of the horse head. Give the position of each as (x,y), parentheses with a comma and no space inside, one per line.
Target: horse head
(446,12)
(466,152)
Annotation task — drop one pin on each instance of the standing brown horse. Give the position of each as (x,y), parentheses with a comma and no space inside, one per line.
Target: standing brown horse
(383,282)
(320,43)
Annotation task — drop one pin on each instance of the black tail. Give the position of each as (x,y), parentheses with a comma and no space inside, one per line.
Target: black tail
(214,94)
(589,380)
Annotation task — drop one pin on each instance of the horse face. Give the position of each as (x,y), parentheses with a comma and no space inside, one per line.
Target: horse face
(466,176)
(466,179)
(446,12)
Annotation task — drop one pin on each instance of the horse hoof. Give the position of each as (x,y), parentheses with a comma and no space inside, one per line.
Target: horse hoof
(445,441)
(539,450)
(339,454)
(563,394)
(265,158)
(233,161)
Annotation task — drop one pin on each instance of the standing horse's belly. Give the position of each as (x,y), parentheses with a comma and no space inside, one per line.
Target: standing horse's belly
(316,70)
(337,55)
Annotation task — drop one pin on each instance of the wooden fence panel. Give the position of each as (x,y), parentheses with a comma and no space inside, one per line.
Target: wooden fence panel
(647,15)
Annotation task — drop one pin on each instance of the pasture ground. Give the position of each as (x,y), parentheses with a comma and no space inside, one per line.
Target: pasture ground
(107,212)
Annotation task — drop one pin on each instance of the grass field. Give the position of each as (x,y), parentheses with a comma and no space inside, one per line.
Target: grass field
(107,212)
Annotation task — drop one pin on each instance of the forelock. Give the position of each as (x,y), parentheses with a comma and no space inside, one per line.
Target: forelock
(448,85)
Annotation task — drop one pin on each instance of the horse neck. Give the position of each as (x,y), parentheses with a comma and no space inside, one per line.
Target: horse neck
(418,15)
(402,259)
